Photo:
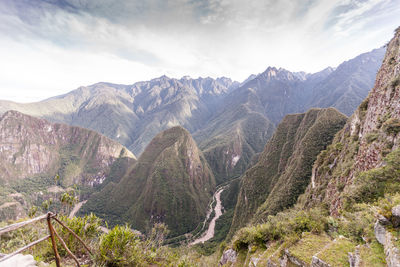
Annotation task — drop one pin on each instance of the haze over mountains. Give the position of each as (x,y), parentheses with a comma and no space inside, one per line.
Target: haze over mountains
(218,112)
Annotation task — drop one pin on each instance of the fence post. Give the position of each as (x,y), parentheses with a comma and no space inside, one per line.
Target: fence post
(53,240)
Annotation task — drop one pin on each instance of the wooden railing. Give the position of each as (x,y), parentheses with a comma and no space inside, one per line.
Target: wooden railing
(52,235)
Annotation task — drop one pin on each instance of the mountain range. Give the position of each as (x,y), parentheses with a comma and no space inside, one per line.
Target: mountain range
(217,112)
(265,141)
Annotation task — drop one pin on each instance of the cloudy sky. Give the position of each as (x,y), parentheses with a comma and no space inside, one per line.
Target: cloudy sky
(49,47)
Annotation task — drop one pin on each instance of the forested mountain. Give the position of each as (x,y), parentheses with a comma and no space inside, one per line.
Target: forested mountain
(170,183)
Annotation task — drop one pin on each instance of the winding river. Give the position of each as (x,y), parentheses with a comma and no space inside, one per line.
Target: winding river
(211,227)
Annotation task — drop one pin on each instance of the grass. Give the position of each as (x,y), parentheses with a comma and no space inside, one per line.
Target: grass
(337,253)
(308,246)
(372,256)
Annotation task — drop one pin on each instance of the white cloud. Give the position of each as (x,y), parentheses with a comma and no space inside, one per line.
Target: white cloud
(48,50)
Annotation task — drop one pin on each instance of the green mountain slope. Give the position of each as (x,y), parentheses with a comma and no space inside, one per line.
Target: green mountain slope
(284,167)
(170,183)
(349,214)
(33,151)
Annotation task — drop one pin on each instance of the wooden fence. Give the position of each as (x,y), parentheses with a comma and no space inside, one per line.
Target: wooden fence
(52,235)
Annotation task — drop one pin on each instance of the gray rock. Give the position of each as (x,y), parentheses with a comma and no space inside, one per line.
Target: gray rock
(254,261)
(317,262)
(383,220)
(19,260)
(228,256)
(271,264)
(386,239)
(396,216)
(380,233)
(354,258)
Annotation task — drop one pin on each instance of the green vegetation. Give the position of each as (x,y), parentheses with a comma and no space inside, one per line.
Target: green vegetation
(371,137)
(171,183)
(308,245)
(284,167)
(375,183)
(391,126)
(287,226)
(395,82)
(121,246)
(337,253)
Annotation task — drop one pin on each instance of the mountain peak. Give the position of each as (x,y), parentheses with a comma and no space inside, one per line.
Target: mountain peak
(273,73)
(171,183)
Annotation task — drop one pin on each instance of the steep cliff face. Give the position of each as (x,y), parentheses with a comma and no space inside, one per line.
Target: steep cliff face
(284,167)
(171,183)
(369,135)
(30,147)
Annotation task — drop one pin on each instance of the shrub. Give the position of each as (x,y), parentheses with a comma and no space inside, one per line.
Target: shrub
(391,126)
(284,226)
(373,184)
(371,137)
(119,247)
(87,228)
(395,82)
(364,105)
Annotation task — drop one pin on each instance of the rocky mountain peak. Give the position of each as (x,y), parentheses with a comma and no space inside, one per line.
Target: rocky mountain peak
(272,73)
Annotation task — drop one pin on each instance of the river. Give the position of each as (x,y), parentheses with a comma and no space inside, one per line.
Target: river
(211,227)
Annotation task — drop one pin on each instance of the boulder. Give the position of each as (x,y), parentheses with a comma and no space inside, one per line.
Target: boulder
(19,260)
(354,258)
(228,256)
(396,216)
(380,233)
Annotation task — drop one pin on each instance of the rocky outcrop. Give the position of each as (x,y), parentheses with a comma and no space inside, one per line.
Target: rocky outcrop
(355,258)
(19,260)
(392,252)
(371,133)
(228,256)
(317,262)
(396,216)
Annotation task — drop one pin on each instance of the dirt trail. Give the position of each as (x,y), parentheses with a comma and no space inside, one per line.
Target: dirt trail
(211,227)
(76,209)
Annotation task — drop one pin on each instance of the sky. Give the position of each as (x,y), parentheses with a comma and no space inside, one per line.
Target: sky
(50,47)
